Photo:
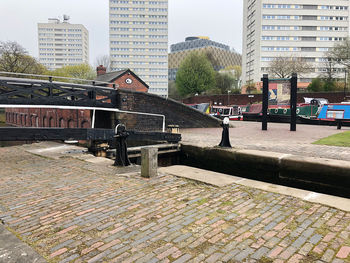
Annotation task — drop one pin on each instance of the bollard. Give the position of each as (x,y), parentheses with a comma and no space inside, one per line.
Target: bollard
(121,157)
(225,137)
(149,162)
(338,121)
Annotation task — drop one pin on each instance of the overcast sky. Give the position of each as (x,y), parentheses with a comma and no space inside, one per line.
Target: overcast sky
(221,20)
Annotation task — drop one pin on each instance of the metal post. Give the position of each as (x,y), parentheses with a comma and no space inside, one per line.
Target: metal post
(265,102)
(345,84)
(228,97)
(293,102)
(93,119)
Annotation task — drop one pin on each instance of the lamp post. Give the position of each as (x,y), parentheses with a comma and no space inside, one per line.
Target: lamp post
(228,97)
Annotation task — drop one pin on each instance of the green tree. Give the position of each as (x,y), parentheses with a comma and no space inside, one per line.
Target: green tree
(324,85)
(195,75)
(224,82)
(212,59)
(237,73)
(173,92)
(14,58)
(315,85)
(82,71)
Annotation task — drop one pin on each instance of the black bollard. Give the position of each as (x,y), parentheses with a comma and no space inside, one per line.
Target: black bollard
(121,157)
(225,138)
(338,121)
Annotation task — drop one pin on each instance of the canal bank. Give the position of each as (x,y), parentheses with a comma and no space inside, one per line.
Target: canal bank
(311,173)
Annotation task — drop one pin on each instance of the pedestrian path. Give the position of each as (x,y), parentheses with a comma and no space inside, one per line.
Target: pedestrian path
(71,210)
(278,138)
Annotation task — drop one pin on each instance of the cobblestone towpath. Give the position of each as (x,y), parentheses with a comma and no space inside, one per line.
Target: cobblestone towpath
(70,210)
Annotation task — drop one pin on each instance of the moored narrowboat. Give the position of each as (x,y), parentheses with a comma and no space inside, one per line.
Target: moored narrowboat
(234,113)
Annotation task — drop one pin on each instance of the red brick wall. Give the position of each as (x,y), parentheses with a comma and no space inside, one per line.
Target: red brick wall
(48,118)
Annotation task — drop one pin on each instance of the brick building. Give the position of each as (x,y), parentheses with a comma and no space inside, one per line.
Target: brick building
(122,79)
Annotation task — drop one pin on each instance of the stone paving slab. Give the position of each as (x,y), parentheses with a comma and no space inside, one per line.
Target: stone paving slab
(204,176)
(13,250)
(70,210)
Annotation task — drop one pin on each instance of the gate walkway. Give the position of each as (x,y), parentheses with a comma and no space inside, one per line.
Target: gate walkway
(278,138)
(70,210)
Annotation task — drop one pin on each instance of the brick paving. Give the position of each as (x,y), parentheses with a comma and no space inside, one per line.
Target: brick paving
(278,138)
(74,211)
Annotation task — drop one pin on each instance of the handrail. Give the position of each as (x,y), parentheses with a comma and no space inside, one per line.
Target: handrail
(57,77)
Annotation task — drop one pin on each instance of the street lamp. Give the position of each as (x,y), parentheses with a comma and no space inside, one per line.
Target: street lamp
(228,97)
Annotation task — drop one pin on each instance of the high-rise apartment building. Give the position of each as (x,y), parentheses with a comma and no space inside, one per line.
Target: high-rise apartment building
(303,29)
(62,44)
(138,38)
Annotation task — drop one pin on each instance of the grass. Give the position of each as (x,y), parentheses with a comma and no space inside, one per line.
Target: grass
(340,139)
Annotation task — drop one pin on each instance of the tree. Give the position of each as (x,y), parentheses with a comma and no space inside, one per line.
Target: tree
(324,85)
(329,74)
(195,75)
(315,85)
(212,59)
(224,82)
(14,58)
(237,73)
(251,88)
(173,92)
(284,67)
(105,61)
(82,71)
(341,53)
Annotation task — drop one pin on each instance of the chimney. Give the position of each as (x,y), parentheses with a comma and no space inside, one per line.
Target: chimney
(101,70)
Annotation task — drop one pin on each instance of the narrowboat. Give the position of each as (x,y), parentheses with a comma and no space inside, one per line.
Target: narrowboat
(282,113)
(234,113)
(332,113)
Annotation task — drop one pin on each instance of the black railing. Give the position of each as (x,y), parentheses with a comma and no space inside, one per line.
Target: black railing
(18,91)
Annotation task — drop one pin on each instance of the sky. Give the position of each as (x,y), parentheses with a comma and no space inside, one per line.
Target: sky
(221,20)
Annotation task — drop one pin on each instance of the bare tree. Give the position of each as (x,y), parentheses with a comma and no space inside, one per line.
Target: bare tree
(330,70)
(284,67)
(341,53)
(14,58)
(105,61)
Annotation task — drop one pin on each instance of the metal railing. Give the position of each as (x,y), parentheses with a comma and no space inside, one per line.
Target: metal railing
(94,109)
(50,78)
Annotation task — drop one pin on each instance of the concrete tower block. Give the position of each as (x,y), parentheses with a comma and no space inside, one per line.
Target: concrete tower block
(149,162)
